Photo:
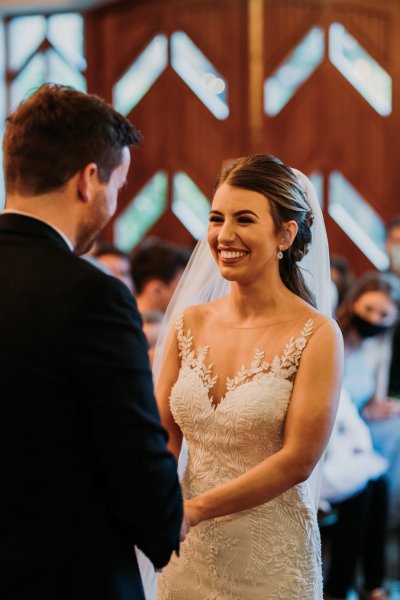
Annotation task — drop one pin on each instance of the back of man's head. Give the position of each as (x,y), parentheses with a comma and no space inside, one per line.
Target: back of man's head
(55,133)
(157,259)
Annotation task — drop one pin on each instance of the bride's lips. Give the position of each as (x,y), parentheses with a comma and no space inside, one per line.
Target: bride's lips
(232,255)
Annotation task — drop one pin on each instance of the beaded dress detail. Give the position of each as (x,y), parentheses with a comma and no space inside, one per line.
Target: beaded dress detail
(271,552)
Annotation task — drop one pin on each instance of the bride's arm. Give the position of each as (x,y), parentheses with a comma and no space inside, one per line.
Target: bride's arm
(168,375)
(308,425)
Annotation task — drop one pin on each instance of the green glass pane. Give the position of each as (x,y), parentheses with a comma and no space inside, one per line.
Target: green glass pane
(30,78)
(190,205)
(139,78)
(358,220)
(294,71)
(66,33)
(141,214)
(26,33)
(59,71)
(360,69)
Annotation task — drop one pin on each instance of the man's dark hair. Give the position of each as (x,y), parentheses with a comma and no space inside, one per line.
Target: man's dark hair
(157,259)
(55,133)
(108,248)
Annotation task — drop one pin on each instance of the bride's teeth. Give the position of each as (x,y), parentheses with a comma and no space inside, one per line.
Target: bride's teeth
(226,254)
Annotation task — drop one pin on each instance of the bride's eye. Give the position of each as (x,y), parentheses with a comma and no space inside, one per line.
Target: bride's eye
(215,219)
(245,220)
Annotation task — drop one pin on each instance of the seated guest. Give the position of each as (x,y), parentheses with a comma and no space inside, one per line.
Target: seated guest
(367,318)
(353,483)
(117,261)
(393,250)
(151,328)
(157,266)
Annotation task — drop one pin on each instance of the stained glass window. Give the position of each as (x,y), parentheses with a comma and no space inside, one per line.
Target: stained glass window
(142,212)
(62,62)
(190,205)
(25,34)
(199,74)
(141,75)
(360,69)
(358,219)
(294,71)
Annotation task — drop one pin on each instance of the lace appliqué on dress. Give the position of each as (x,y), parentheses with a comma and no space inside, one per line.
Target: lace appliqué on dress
(284,366)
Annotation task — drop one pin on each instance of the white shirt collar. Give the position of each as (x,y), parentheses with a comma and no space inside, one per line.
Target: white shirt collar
(25,214)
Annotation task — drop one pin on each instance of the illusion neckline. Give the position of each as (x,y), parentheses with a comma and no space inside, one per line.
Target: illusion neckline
(217,321)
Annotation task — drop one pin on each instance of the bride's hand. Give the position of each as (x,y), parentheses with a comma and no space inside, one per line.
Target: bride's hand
(184,527)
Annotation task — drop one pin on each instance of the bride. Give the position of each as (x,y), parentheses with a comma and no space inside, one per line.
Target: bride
(250,377)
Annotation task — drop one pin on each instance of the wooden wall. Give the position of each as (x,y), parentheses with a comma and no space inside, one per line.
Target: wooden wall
(327,126)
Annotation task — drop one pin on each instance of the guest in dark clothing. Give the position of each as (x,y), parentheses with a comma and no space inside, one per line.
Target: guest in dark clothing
(393,249)
(85,472)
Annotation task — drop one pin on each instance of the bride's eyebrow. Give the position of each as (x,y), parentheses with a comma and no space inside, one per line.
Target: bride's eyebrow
(236,214)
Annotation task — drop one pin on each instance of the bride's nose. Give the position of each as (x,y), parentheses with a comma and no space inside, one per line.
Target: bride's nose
(227,233)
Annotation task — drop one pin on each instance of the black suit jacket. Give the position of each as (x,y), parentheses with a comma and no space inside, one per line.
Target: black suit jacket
(84,469)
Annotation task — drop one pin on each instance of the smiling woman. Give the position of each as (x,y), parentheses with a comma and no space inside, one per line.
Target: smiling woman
(246,378)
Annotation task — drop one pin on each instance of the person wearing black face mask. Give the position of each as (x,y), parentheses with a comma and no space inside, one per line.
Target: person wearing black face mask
(367,317)
(365,328)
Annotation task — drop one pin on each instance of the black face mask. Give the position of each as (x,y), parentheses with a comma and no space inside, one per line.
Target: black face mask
(366,329)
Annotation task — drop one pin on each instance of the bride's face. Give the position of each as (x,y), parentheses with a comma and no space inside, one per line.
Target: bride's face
(241,234)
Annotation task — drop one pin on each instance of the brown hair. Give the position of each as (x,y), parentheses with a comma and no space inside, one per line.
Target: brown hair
(269,176)
(55,133)
(373,281)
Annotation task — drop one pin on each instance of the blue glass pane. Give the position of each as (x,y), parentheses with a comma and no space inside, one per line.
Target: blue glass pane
(59,71)
(199,74)
(360,69)
(65,31)
(190,205)
(141,214)
(294,71)
(26,33)
(30,78)
(317,179)
(358,219)
(139,78)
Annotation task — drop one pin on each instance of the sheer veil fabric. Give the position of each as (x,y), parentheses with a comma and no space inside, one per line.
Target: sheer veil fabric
(202,282)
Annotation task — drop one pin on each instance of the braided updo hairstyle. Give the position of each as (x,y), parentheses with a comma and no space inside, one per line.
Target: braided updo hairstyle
(269,176)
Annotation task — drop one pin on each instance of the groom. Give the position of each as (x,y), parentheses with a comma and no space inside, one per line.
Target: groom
(84,469)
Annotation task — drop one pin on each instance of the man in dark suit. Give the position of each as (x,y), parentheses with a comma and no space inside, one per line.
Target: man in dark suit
(84,469)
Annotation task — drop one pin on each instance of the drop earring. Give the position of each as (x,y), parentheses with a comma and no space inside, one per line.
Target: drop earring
(279,254)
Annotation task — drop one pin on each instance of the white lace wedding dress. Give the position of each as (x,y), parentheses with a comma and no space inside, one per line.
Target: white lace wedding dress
(271,552)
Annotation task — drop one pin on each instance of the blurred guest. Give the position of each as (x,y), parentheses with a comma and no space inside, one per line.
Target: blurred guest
(393,244)
(151,328)
(353,482)
(341,275)
(393,250)
(367,317)
(157,266)
(116,261)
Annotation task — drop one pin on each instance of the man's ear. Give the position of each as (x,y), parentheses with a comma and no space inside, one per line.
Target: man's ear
(87,182)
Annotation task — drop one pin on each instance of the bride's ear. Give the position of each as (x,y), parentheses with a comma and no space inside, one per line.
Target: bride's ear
(289,232)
